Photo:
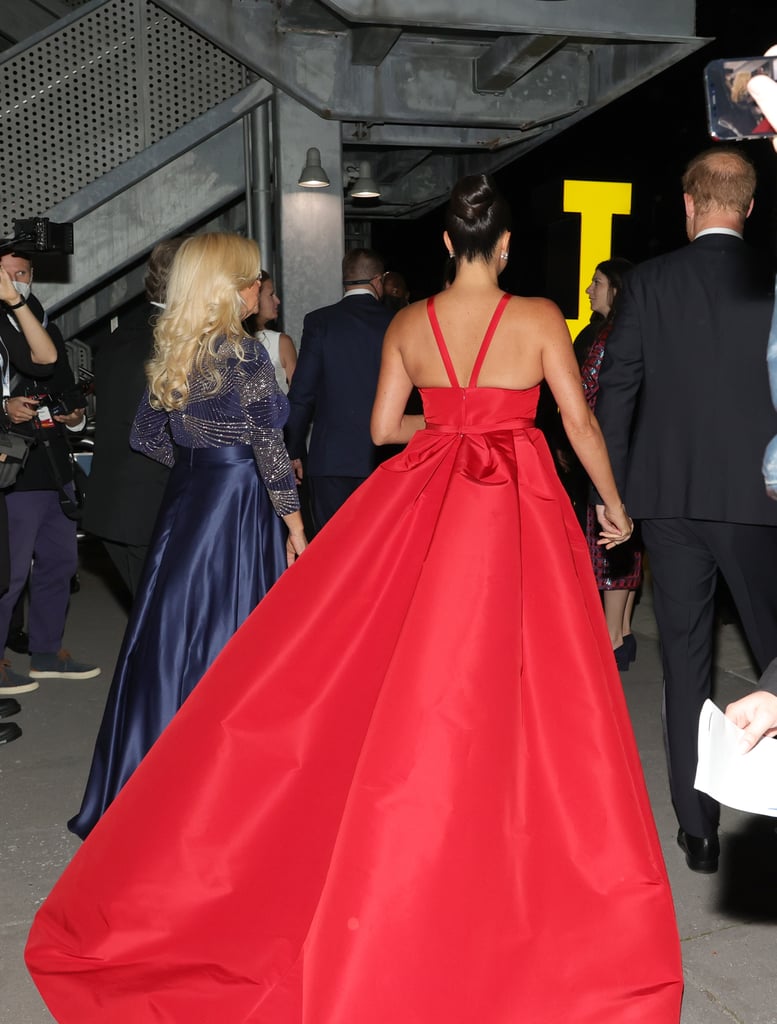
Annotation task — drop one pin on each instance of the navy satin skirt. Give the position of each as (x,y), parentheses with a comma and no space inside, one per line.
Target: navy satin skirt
(218,546)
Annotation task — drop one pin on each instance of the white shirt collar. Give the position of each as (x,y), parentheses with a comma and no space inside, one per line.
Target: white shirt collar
(360,291)
(719,231)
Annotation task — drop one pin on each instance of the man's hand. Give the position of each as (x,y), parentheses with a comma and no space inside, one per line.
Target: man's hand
(296,465)
(21,409)
(757,715)
(71,419)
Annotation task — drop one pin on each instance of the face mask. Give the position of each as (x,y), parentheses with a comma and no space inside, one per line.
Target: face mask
(23,288)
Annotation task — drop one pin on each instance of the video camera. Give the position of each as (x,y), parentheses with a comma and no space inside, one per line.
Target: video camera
(38,235)
(62,403)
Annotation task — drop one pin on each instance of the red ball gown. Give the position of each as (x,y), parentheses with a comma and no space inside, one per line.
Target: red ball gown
(407,792)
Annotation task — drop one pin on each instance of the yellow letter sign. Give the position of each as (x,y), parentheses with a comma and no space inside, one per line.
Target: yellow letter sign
(596,202)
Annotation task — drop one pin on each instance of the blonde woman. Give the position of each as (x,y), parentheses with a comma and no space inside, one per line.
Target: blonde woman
(214,413)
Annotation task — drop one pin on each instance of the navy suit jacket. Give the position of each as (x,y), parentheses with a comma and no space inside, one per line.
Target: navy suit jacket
(334,386)
(684,403)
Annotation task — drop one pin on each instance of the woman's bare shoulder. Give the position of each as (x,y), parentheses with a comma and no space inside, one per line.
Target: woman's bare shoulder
(407,320)
(535,306)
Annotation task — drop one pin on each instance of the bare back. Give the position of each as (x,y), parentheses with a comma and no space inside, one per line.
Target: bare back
(514,357)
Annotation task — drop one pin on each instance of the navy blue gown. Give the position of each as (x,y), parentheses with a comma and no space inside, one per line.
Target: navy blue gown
(217,548)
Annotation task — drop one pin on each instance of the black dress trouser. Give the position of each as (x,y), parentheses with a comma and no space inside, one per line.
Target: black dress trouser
(328,493)
(685,555)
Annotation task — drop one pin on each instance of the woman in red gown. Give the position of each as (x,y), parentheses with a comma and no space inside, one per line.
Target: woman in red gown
(421,803)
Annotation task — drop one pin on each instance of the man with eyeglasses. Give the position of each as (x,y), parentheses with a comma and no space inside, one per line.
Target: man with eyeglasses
(334,386)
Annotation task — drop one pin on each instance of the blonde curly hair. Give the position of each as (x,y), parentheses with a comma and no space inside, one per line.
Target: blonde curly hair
(203,307)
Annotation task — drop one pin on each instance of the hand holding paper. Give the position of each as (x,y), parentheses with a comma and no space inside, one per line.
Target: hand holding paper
(746,781)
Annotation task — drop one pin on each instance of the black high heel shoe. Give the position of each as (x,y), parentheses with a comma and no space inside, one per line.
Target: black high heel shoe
(622,659)
(630,646)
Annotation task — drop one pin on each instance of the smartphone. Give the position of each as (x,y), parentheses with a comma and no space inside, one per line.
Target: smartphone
(731,112)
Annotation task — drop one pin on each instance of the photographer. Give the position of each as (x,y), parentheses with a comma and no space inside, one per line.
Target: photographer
(40,532)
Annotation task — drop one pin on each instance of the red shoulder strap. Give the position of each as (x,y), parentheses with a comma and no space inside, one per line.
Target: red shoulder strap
(500,308)
(441,342)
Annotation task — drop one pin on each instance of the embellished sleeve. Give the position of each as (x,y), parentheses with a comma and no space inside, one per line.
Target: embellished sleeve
(150,434)
(266,409)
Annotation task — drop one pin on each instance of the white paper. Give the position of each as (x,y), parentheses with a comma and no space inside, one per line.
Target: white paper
(748,781)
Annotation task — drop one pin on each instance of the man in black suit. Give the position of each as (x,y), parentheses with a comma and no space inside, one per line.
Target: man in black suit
(685,410)
(334,386)
(125,488)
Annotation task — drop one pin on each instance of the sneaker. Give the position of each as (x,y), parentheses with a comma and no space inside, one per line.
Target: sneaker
(61,665)
(12,683)
(9,731)
(9,706)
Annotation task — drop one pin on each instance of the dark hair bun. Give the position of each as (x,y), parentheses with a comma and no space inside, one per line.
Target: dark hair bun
(472,198)
(476,218)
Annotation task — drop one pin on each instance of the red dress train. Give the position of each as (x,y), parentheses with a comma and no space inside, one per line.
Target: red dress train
(407,792)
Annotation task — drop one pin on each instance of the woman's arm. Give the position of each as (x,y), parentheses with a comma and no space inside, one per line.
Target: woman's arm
(563,376)
(389,424)
(764,91)
(42,348)
(288,356)
(265,409)
(150,434)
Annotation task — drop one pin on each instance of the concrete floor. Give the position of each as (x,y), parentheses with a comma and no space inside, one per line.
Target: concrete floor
(726,921)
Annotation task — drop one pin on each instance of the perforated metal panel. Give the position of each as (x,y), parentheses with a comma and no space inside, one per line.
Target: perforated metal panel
(97,92)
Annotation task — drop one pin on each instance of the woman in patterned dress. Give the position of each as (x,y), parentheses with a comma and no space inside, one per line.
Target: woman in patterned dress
(618,571)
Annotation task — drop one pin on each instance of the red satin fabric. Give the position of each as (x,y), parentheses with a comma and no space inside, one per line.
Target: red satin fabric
(407,792)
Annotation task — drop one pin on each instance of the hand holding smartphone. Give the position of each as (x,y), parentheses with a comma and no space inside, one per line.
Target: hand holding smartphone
(732,113)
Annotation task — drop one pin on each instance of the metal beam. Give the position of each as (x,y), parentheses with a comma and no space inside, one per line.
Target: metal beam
(371,46)
(510,58)
(115,234)
(23,18)
(128,285)
(421,81)
(424,78)
(624,19)
(437,136)
(167,150)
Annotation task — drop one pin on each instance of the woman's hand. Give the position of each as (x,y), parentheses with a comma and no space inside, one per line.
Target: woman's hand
(296,543)
(616,525)
(21,409)
(764,91)
(8,293)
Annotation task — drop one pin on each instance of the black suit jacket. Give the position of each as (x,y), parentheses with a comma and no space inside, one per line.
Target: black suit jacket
(27,378)
(684,402)
(125,488)
(334,386)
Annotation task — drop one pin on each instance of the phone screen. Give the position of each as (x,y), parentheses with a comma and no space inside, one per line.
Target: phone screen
(731,112)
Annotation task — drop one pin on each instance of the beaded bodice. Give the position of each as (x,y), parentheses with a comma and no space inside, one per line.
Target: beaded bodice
(240,405)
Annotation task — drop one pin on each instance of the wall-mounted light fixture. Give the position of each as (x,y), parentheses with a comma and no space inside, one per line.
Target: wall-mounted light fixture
(364,187)
(313,174)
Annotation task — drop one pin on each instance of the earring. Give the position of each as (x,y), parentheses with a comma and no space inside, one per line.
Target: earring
(450,254)
(503,255)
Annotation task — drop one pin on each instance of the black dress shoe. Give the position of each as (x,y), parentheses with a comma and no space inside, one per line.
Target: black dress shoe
(18,641)
(701,853)
(9,731)
(9,706)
